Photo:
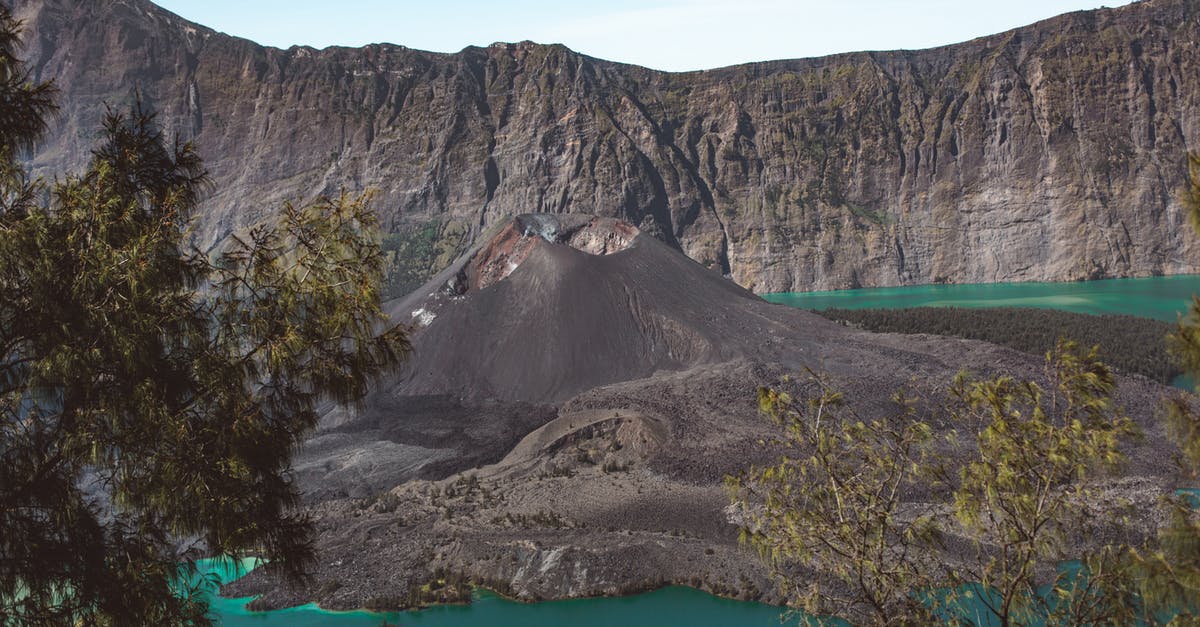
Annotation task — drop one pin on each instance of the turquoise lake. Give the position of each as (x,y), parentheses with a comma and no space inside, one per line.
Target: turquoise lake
(674,606)
(1162,298)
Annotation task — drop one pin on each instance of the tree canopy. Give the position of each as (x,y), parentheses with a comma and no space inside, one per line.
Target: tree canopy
(1171,570)
(1023,496)
(151,397)
(897,524)
(836,502)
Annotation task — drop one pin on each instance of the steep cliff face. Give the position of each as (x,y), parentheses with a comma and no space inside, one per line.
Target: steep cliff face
(1050,152)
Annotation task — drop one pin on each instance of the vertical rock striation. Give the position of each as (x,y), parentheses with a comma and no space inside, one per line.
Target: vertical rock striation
(1050,152)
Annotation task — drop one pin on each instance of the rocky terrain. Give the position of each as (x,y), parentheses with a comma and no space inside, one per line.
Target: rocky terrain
(577,394)
(584,378)
(1050,152)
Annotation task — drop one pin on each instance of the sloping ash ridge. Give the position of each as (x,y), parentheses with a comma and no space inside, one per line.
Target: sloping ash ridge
(1049,152)
(577,393)
(554,305)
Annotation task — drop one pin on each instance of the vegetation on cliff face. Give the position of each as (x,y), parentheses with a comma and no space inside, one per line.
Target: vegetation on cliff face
(151,397)
(410,255)
(1045,153)
(1129,343)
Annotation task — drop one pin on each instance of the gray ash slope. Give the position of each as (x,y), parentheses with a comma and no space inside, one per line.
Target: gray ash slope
(554,305)
(547,308)
(513,453)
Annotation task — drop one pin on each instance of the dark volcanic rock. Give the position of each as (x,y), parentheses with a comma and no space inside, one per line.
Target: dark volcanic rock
(578,388)
(577,394)
(1047,152)
(535,314)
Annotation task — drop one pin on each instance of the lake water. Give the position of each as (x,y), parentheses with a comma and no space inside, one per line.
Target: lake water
(1162,298)
(669,606)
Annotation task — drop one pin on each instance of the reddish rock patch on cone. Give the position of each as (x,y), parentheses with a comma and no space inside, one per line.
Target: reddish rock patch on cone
(512,245)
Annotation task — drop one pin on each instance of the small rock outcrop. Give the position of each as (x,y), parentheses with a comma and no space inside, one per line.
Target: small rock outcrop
(505,251)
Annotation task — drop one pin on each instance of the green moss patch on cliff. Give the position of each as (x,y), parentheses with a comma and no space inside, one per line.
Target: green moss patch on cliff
(415,254)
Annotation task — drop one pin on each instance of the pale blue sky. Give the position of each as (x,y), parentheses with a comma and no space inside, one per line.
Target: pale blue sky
(664,34)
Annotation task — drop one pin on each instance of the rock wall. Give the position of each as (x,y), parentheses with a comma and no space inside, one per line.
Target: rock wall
(1051,152)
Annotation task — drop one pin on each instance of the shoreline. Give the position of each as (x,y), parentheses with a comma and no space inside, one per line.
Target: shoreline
(483,592)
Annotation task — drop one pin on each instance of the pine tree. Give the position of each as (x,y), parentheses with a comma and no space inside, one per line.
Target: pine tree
(151,397)
(835,503)
(1029,488)
(1171,571)
(840,502)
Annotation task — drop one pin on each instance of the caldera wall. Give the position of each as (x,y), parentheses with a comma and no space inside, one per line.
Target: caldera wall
(1051,152)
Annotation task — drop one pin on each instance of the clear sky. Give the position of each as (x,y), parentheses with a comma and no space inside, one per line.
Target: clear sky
(663,34)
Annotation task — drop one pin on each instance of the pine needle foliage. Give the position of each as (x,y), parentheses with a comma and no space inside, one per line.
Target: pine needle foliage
(1026,491)
(27,104)
(887,521)
(151,397)
(1171,570)
(836,503)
